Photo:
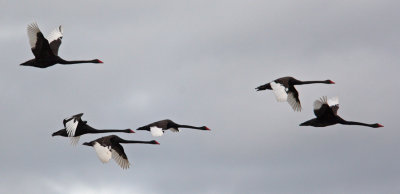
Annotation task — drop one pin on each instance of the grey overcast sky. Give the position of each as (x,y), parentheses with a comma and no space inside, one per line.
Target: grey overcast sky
(198,62)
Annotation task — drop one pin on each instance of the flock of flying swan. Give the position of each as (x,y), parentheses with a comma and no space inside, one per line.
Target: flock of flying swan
(45,51)
(324,109)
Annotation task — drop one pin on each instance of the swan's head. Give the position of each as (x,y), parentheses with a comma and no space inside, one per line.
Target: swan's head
(154,142)
(329,81)
(97,61)
(377,125)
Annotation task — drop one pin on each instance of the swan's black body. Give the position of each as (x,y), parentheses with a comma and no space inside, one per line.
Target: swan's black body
(113,140)
(83,128)
(110,146)
(46,53)
(319,122)
(52,60)
(289,82)
(291,95)
(327,115)
(168,124)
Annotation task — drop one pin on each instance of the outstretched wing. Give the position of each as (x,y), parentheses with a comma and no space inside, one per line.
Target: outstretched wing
(54,39)
(280,91)
(71,124)
(320,106)
(74,140)
(283,92)
(39,45)
(324,107)
(334,104)
(103,152)
(118,154)
(293,99)
(72,117)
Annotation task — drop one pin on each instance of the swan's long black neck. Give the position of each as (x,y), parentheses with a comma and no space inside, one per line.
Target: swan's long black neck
(298,82)
(65,62)
(133,141)
(94,130)
(188,126)
(111,130)
(344,122)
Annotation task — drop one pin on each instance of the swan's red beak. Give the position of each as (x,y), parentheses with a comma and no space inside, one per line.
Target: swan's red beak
(379,125)
(100,61)
(131,131)
(157,142)
(208,129)
(332,82)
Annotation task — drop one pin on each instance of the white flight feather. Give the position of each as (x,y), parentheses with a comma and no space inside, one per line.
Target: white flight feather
(156,131)
(71,126)
(324,100)
(55,34)
(317,104)
(279,91)
(32,30)
(104,153)
(174,129)
(122,162)
(333,101)
(293,103)
(74,140)
(320,102)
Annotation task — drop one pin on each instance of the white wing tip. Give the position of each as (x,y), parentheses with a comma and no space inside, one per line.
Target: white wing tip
(122,162)
(281,100)
(74,140)
(333,101)
(34,23)
(317,104)
(296,106)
